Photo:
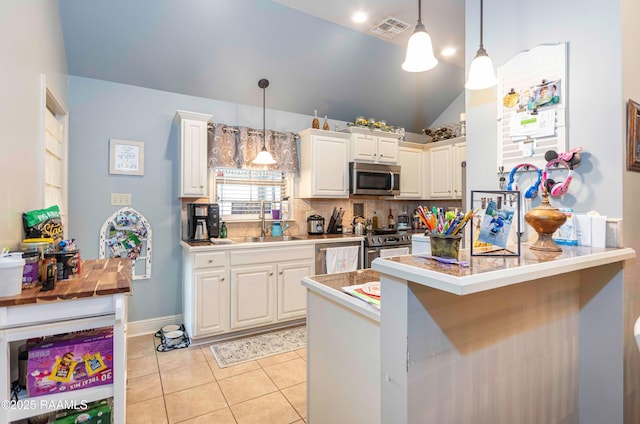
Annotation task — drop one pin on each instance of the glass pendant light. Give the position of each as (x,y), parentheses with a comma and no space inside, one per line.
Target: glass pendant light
(420,56)
(481,74)
(264,157)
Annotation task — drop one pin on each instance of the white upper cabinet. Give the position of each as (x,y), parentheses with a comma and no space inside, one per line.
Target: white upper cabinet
(373,146)
(412,175)
(192,153)
(444,164)
(324,164)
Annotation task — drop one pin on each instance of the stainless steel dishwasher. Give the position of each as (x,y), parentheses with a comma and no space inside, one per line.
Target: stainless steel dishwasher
(321,253)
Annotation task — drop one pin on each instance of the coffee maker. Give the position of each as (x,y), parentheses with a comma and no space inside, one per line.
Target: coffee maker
(203,221)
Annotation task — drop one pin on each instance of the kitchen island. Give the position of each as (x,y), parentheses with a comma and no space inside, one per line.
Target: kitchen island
(528,339)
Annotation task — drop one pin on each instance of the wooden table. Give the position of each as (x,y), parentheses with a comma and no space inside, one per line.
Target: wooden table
(94,299)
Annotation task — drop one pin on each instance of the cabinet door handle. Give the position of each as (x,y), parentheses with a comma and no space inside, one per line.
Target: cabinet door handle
(210,261)
(281,272)
(271,273)
(222,279)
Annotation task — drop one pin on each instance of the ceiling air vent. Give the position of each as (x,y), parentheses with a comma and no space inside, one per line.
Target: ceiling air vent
(390,27)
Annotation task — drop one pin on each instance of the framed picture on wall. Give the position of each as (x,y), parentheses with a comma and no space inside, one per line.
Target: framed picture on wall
(633,136)
(126,157)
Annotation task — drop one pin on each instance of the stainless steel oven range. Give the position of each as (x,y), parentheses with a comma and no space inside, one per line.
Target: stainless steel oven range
(375,246)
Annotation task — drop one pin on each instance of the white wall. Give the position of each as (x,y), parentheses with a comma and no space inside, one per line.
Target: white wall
(592,30)
(31,44)
(631,184)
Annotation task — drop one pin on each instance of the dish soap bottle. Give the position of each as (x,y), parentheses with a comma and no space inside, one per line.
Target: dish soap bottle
(223,230)
(325,126)
(374,220)
(315,123)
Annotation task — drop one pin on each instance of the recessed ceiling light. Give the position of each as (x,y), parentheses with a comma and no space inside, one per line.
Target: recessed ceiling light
(359,17)
(449,51)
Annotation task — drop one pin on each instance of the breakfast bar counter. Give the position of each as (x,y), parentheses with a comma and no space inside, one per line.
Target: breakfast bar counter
(525,339)
(534,338)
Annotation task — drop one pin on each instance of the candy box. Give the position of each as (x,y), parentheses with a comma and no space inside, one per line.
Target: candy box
(70,362)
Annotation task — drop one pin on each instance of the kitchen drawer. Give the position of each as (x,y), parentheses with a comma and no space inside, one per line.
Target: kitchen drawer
(208,259)
(272,255)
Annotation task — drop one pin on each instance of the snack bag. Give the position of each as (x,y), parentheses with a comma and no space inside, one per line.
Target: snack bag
(63,369)
(41,223)
(93,363)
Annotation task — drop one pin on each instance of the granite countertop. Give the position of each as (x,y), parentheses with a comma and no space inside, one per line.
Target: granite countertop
(98,277)
(490,272)
(330,287)
(238,242)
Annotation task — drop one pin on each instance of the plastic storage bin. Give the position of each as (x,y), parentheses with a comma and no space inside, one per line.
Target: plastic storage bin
(11,269)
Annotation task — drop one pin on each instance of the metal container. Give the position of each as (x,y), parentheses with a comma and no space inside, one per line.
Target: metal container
(315,225)
(31,272)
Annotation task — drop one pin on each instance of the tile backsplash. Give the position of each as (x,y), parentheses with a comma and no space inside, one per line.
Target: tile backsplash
(302,208)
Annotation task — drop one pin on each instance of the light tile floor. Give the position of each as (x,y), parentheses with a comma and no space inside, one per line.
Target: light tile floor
(187,386)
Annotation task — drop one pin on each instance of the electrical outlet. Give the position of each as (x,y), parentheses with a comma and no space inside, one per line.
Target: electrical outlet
(120,199)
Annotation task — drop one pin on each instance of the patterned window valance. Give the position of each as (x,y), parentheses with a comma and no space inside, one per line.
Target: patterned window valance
(236,147)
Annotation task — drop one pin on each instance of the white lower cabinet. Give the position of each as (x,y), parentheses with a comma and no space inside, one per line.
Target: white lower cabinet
(239,289)
(252,295)
(292,296)
(205,293)
(212,311)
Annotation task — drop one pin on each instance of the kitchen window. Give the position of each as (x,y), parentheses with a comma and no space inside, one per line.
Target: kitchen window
(240,191)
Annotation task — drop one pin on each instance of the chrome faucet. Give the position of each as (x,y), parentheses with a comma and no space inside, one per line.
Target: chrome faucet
(263,224)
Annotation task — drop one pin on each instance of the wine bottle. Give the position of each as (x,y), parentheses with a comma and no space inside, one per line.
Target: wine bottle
(390,221)
(374,220)
(325,126)
(315,123)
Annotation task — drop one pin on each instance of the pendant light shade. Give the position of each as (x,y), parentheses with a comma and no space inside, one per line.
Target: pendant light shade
(264,157)
(420,56)
(481,73)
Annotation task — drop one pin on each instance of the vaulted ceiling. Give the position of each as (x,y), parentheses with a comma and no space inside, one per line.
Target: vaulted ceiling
(313,58)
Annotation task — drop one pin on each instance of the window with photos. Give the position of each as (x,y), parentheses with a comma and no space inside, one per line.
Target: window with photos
(240,191)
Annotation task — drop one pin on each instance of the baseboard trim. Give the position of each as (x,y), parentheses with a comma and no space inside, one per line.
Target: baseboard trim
(150,326)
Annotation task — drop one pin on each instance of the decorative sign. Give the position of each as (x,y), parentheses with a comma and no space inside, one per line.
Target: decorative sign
(126,157)
(127,234)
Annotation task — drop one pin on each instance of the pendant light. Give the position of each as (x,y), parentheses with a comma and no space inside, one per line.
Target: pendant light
(420,56)
(264,157)
(481,74)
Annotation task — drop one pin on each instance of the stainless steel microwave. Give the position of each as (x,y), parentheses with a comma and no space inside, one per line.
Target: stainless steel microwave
(373,179)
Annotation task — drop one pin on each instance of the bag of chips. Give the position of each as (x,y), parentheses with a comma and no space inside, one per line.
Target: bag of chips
(43,223)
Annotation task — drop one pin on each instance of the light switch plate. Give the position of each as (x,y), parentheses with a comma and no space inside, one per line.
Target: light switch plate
(120,199)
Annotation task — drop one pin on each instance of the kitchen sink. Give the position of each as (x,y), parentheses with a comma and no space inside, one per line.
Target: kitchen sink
(265,239)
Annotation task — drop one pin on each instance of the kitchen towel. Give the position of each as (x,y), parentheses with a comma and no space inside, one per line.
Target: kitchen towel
(396,251)
(342,259)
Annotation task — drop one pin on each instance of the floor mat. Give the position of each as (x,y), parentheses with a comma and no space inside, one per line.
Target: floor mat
(237,351)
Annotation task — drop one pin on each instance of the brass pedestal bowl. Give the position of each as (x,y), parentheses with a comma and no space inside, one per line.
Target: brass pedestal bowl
(545,219)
